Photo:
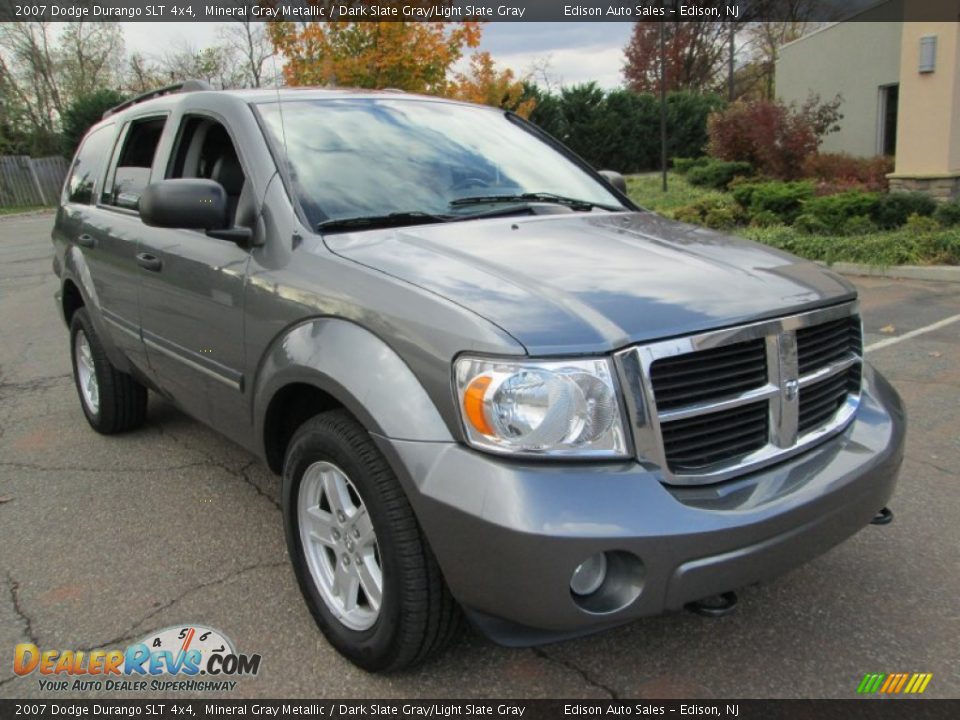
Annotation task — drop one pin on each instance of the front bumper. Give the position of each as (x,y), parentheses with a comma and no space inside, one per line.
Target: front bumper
(509,534)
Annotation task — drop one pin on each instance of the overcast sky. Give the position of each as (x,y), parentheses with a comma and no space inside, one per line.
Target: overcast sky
(577,52)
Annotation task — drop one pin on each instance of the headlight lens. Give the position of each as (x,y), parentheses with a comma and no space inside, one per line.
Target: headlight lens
(567,407)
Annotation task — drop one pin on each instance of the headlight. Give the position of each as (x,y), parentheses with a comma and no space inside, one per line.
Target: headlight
(552,408)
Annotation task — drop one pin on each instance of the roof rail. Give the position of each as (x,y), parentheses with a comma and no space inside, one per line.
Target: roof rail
(182,87)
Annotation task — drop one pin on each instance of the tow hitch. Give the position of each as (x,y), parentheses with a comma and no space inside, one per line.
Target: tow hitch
(714,606)
(884,517)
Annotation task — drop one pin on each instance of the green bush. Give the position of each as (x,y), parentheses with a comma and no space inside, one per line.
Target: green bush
(720,218)
(893,209)
(833,211)
(718,174)
(859,225)
(764,219)
(620,129)
(683,165)
(922,224)
(783,199)
(898,247)
(810,224)
(948,213)
(716,212)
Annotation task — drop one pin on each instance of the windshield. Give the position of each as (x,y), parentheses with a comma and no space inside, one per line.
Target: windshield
(362,157)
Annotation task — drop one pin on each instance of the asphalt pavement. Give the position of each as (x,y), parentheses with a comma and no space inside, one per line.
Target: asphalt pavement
(104,539)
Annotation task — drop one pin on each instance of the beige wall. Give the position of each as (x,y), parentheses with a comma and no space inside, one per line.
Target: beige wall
(928,131)
(854,59)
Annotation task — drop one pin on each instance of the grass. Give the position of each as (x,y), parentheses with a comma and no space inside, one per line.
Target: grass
(906,246)
(21,209)
(645,190)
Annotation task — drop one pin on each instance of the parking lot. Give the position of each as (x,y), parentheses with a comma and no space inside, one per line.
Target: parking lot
(103,540)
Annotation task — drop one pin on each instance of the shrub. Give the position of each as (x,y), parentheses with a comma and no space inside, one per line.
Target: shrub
(784,200)
(774,137)
(810,224)
(948,213)
(839,171)
(764,219)
(859,225)
(718,174)
(922,224)
(720,218)
(893,209)
(833,211)
(714,212)
(683,165)
(620,129)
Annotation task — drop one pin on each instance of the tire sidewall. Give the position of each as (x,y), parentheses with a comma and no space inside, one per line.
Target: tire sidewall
(370,648)
(81,321)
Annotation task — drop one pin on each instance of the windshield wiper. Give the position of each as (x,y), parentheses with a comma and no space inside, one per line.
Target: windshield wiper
(545,197)
(397,219)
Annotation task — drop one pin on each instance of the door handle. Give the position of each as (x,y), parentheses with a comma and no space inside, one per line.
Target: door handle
(87,241)
(149,262)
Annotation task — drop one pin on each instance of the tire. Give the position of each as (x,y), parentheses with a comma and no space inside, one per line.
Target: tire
(120,401)
(416,615)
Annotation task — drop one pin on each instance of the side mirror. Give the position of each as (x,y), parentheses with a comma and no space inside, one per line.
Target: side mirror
(187,203)
(615,179)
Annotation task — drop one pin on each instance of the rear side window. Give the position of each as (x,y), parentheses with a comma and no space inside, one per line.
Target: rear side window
(87,169)
(132,172)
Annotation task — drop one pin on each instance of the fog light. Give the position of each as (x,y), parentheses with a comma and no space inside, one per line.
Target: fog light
(589,575)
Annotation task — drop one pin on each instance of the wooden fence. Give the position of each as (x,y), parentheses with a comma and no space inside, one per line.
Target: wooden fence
(26,181)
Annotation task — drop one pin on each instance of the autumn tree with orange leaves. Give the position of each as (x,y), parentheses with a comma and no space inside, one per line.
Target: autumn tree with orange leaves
(412,56)
(485,85)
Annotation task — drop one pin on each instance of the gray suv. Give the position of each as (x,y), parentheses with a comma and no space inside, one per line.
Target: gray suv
(494,387)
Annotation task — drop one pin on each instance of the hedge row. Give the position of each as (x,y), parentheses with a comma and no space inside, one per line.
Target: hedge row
(620,129)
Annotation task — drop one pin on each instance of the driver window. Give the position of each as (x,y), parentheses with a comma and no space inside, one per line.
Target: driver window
(205,150)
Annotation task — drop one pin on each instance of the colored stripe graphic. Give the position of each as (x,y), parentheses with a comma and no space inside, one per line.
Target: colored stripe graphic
(894,683)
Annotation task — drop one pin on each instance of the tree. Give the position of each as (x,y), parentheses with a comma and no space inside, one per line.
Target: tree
(216,65)
(250,43)
(486,85)
(83,112)
(412,56)
(694,55)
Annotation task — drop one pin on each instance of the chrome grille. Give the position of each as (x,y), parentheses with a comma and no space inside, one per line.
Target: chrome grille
(710,406)
(708,374)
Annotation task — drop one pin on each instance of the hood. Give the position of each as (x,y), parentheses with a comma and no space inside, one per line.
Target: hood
(592,282)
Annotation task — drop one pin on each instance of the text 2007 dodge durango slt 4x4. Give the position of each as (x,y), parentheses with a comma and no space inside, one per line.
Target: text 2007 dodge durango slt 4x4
(493,385)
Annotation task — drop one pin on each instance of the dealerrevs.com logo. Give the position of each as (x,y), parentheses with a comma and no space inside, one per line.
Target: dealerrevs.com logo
(179,658)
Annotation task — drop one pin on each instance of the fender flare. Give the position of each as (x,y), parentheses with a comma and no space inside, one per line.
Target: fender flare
(355,367)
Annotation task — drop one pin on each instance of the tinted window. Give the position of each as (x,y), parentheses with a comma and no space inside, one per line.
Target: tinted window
(88,165)
(132,173)
(364,157)
(204,150)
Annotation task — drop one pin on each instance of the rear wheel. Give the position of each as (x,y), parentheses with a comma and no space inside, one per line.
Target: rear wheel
(362,562)
(112,401)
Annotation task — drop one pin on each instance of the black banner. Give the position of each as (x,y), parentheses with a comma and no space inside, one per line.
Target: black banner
(456,10)
(528,709)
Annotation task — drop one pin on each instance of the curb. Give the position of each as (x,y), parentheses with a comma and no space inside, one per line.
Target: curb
(28,213)
(932,273)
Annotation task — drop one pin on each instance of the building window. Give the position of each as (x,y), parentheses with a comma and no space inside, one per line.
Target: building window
(887,139)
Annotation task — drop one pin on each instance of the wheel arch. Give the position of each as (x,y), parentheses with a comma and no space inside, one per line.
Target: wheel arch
(326,363)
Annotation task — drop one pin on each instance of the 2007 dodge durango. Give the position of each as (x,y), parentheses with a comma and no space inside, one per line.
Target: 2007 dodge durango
(494,386)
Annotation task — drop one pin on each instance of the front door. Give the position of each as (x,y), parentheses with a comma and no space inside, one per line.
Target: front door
(192,290)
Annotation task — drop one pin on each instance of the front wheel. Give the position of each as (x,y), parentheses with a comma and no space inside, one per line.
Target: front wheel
(363,565)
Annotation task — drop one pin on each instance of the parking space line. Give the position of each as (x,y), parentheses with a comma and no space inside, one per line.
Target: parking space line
(912,334)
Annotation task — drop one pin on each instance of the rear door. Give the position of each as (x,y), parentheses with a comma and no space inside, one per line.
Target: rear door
(191,301)
(112,232)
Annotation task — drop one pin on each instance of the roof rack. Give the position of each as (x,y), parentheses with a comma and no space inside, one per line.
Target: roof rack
(185,86)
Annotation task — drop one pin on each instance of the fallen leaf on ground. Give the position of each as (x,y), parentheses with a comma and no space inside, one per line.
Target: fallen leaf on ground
(888,329)
(5,499)
(935,354)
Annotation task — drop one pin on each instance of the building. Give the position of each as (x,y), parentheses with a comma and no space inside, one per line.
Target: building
(900,83)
